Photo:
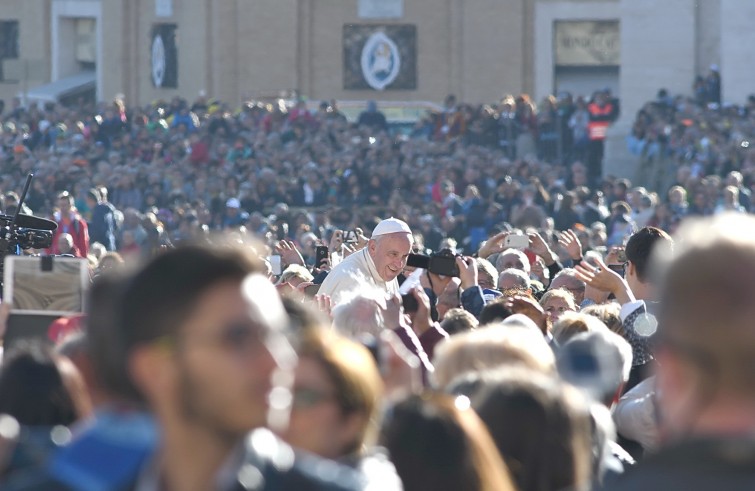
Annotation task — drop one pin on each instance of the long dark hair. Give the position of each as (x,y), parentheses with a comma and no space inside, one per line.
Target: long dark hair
(34,391)
(439,444)
(541,429)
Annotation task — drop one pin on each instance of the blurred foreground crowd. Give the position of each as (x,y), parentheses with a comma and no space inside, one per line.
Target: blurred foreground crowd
(202,369)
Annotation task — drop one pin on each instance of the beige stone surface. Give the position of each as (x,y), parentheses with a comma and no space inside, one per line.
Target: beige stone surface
(34,39)
(737,54)
(660,51)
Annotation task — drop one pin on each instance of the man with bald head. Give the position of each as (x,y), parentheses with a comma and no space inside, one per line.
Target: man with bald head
(567,279)
(513,279)
(705,348)
(513,258)
(378,264)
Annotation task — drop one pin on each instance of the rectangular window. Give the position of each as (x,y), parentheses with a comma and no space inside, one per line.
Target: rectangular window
(8,42)
(86,40)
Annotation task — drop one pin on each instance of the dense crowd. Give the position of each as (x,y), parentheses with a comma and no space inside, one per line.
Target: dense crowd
(169,171)
(538,331)
(199,369)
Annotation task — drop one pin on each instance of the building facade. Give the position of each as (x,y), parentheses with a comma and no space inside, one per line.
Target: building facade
(240,49)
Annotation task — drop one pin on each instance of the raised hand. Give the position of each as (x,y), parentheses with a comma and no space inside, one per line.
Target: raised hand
(606,280)
(421,320)
(325,304)
(400,368)
(467,271)
(361,239)
(289,253)
(492,245)
(569,241)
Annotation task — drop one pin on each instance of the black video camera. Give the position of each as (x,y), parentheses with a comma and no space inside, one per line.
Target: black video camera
(441,263)
(19,232)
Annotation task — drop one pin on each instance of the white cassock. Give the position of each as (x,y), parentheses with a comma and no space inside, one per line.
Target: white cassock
(351,274)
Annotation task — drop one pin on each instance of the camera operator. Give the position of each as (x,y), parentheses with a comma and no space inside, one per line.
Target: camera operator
(471,298)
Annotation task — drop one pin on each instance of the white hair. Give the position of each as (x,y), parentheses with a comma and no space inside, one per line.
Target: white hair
(523,280)
(360,312)
(516,252)
(493,346)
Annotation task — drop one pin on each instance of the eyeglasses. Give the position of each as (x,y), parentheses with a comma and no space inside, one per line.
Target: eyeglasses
(304,397)
(238,338)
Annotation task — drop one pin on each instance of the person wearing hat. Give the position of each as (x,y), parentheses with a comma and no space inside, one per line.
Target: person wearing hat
(234,216)
(378,264)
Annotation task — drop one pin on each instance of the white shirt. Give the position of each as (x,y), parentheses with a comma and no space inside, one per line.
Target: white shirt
(353,273)
(630,307)
(635,415)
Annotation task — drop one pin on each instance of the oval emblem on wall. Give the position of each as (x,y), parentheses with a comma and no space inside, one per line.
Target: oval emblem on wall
(158,61)
(381,61)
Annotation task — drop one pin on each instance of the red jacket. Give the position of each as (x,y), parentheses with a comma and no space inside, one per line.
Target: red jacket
(77,227)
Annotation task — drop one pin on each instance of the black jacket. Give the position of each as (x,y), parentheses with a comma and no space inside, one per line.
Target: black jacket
(710,464)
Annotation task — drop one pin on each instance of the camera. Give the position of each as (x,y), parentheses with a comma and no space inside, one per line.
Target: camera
(441,263)
(622,256)
(409,302)
(349,237)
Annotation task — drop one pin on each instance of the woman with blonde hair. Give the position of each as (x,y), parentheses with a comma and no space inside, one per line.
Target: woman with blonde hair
(336,395)
(491,347)
(609,314)
(556,302)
